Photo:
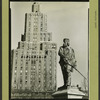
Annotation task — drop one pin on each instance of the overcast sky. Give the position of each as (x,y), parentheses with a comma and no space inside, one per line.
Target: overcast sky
(64,20)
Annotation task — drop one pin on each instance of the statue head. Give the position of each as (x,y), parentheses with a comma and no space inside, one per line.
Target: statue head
(66,42)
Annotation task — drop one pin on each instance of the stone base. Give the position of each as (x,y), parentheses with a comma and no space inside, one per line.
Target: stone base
(71,93)
(34,95)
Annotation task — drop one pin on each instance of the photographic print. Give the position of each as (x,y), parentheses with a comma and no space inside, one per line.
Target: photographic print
(49,50)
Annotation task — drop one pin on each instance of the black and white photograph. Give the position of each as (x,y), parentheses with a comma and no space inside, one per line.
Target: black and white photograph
(49,50)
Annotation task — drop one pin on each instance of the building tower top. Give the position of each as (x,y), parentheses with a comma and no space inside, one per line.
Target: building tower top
(35,7)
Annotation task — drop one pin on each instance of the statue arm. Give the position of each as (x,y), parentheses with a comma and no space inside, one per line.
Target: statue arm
(60,53)
(73,58)
(73,54)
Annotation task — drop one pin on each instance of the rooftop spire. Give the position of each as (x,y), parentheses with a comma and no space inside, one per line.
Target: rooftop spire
(35,7)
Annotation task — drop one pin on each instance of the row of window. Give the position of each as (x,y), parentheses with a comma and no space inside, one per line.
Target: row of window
(16,87)
(45,39)
(35,25)
(32,69)
(45,34)
(32,53)
(28,45)
(34,14)
(32,83)
(35,29)
(26,56)
(26,81)
(32,45)
(33,62)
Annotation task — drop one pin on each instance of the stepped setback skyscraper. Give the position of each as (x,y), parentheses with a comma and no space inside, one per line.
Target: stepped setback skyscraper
(35,59)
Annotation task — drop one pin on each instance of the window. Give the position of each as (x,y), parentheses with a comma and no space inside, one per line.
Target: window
(39,81)
(25,81)
(50,65)
(29,24)
(15,71)
(40,40)
(16,62)
(39,85)
(41,46)
(31,56)
(20,80)
(41,29)
(21,72)
(22,45)
(26,62)
(42,16)
(21,61)
(31,82)
(26,67)
(25,87)
(32,62)
(25,77)
(50,71)
(22,56)
(21,67)
(25,73)
(20,86)
(16,52)
(15,68)
(50,78)
(48,39)
(44,39)
(44,81)
(45,57)
(14,81)
(34,67)
(29,29)
(14,86)
(46,52)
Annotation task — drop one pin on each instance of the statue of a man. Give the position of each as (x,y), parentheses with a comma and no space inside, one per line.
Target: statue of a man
(67,62)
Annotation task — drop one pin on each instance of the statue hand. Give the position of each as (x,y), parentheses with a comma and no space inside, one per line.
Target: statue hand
(71,69)
(65,60)
(74,64)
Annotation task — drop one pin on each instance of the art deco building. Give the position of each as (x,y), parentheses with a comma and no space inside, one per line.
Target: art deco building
(34,60)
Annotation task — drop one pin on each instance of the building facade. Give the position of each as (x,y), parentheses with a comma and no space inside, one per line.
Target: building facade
(35,59)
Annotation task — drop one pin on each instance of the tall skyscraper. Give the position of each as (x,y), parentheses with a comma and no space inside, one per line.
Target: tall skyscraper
(35,59)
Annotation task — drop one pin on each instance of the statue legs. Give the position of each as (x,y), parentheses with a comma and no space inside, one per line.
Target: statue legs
(66,76)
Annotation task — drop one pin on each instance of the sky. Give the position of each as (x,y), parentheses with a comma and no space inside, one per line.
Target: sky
(64,20)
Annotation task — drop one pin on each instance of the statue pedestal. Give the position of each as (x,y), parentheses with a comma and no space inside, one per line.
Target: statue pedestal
(71,93)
